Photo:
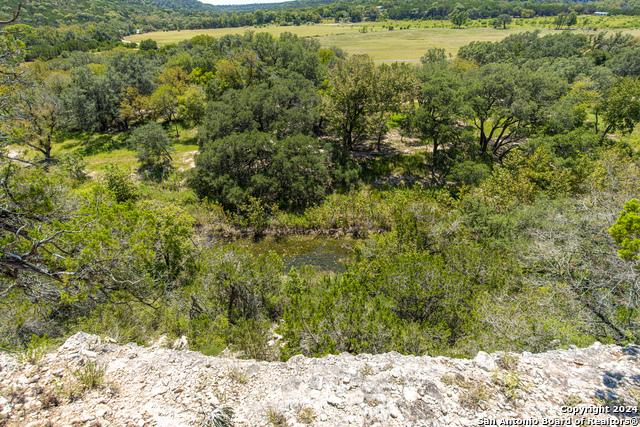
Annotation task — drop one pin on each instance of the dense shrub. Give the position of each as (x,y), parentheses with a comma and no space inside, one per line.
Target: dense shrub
(153,150)
(293,173)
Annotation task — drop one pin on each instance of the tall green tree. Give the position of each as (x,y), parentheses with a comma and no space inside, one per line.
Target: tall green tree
(40,118)
(13,79)
(192,105)
(502,21)
(560,21)
(292,172)
(507,103)
(395,88)
(441,106)
(621,106)
(164,102)
(350,99)
(459,18)
(153,149)
(93,99)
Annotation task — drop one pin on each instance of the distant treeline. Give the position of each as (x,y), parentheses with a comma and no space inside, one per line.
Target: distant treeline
(55,27)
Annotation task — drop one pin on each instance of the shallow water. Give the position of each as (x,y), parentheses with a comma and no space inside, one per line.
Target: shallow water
(322,253)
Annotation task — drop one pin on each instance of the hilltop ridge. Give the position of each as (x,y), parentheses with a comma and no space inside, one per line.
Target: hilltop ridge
(157,386)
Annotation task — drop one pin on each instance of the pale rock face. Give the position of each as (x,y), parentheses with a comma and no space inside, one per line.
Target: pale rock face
(180,344)
(165,387)
(485,361)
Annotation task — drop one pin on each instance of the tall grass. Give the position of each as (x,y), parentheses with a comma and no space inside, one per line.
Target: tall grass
(366,208)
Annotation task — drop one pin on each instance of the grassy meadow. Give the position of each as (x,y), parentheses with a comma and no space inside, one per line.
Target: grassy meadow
(408,40)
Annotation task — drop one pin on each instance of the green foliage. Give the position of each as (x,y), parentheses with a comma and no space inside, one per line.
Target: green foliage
(12,81)
(91,375)
(192,105)
(626,231)
(344,318)
(153,150)
(626,64)
(469,173)
(148,44)
(239,285)
(208,336)
(73,165)
(502,21)
(92,99)
(174,261)
(251,337)
(124,323)
(283,106)
(350,99)
(292,173)
(573,151)
(363,209)
(459,18)
(119,182)
(524,179)
(410,291)
(621,106)
(164,102)
(35,350)
(440,107)
(253,214)
(434,55)
(507,103)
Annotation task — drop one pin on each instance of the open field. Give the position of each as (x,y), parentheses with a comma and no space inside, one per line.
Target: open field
(411,44)
(406,44)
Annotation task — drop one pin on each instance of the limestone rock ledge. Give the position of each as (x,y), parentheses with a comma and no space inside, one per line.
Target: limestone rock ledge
(154,386)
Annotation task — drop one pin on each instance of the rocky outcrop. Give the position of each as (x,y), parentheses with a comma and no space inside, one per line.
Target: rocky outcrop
(89,381)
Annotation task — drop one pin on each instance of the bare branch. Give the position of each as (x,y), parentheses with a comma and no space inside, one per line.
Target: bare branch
(16,13)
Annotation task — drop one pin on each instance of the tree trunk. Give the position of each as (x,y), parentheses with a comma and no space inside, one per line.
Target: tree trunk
(434,161)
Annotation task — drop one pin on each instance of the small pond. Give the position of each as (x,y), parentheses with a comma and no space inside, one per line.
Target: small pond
(325,254)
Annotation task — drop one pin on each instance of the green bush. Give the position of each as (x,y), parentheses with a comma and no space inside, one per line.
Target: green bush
(148,44)
(251,337)
(35,350)
(153,150)
(119,183)
(292,173)
(91,375)
(239,285)
(469,173)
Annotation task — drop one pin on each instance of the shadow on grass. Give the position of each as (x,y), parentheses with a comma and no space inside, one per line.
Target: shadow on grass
(70,139)
(190,141)
(93,145)
(401,164)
